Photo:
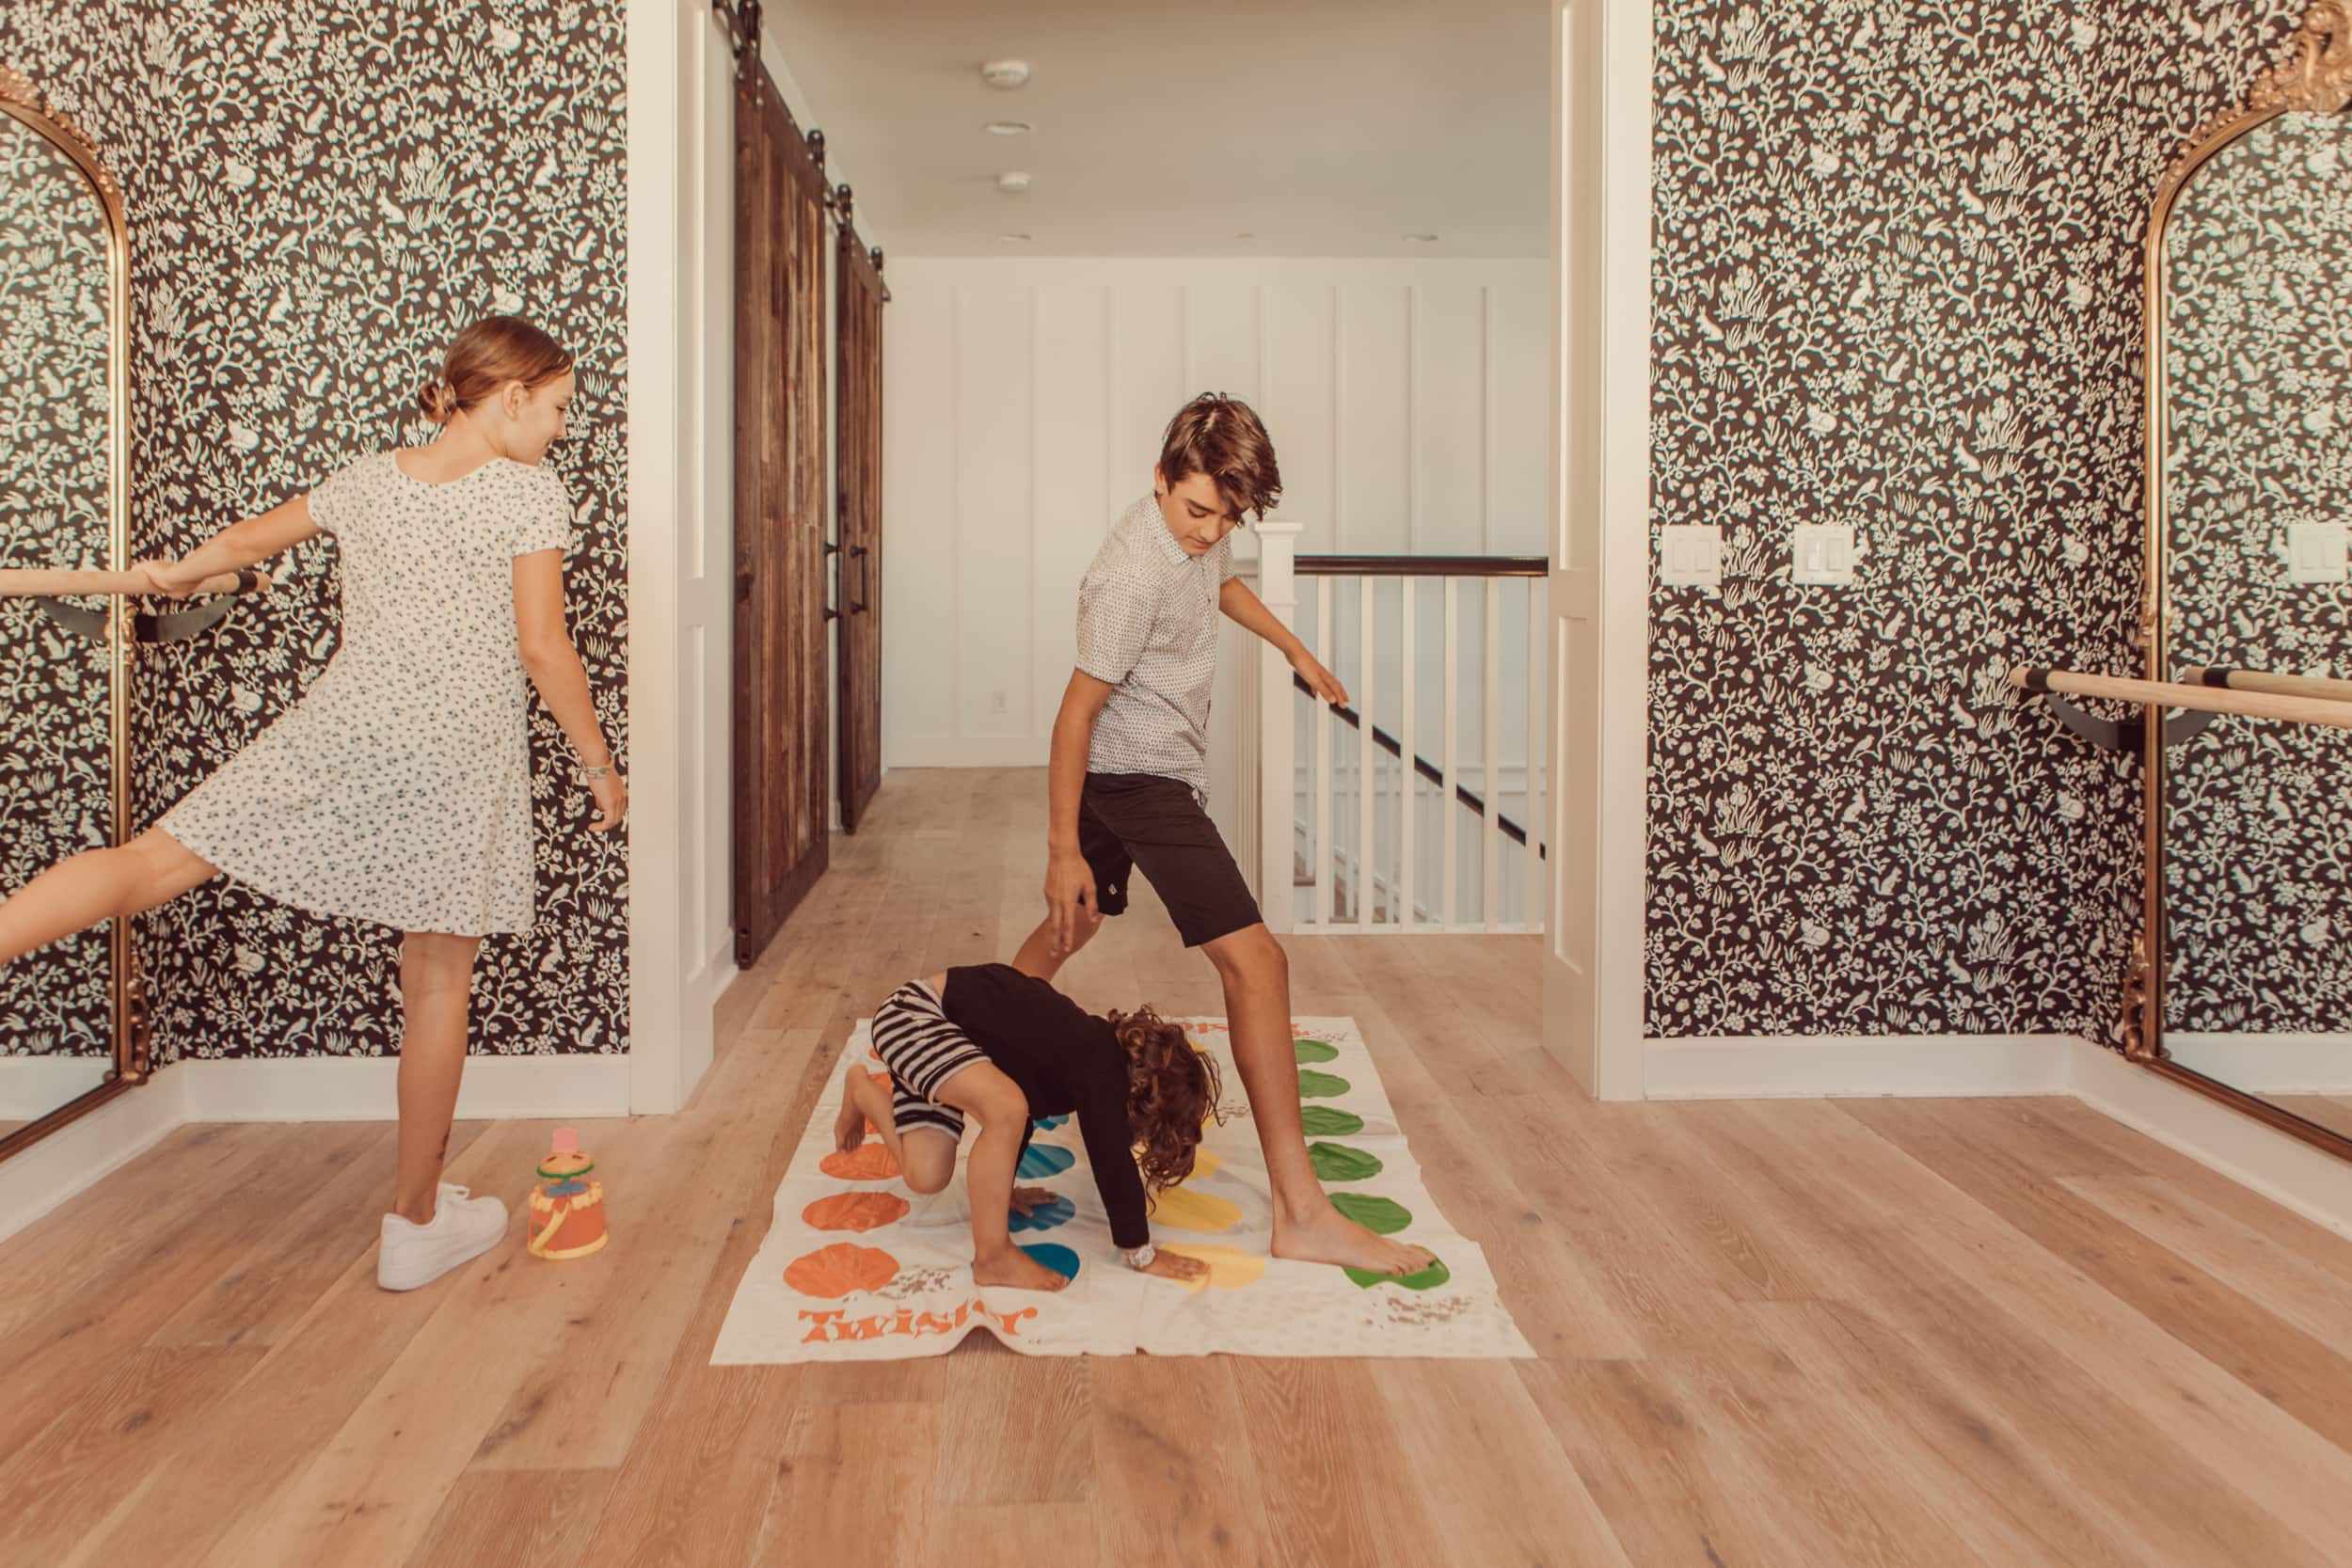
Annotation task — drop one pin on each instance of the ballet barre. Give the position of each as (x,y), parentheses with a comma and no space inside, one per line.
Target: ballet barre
(2263,680)
(48,586)
(2195,698)
(50,582)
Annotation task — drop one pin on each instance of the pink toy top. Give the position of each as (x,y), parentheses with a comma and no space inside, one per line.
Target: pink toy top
(566,1141)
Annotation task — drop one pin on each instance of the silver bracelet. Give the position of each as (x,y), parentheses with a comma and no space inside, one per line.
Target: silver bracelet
(1140,1257)
(603,772)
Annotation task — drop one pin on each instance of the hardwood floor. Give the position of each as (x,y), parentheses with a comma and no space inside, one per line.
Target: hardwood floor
(1806,1333)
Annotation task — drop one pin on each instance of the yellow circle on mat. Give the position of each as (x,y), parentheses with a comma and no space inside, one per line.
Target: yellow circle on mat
(1230,1268)
(1186,1210)
(1203,1165)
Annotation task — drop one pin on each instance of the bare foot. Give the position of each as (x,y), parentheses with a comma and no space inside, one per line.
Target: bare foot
(848,1128)
(1331,1236)
(1015,1271)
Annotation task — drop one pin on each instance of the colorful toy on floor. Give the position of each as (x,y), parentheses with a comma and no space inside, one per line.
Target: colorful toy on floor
(566,1208)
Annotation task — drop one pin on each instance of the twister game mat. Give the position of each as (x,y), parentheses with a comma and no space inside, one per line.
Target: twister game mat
(857,1267)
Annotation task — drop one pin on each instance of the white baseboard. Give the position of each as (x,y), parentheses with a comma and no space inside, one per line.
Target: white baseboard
(963,750)
(2284,1169)
(1834,1066)
(32,1086)
(364,1089)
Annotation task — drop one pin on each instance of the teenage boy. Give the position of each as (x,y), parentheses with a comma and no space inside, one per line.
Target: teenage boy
(1129,781)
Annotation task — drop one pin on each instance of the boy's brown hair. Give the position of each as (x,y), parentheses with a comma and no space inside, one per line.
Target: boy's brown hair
(1221,437)
(1171,1093)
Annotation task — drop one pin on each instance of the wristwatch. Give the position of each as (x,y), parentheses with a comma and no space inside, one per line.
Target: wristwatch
(1140,1257)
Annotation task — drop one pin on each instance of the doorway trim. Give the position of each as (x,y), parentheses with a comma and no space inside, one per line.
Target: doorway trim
(1600,242)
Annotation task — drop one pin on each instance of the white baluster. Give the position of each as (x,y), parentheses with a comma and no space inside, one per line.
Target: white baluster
(1490,825)
(1538,627)
(1276,814)
(1452,743)
(1326,859)
(1409,788)
(1367,772)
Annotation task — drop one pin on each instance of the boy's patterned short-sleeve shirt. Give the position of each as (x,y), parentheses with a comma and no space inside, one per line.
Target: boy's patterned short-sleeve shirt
(1147,627)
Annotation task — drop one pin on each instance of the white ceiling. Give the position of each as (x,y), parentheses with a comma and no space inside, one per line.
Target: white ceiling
(1321,127)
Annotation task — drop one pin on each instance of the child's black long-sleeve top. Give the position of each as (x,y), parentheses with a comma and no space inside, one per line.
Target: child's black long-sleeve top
(1066,1060)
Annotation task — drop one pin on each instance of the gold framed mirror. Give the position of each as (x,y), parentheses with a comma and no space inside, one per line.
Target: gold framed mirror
(2240,983)
(72,1023)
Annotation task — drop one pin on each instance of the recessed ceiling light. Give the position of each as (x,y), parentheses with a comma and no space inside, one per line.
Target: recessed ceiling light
(1012,180)
(1019,239)
(1005,73)
(1245,234)
(1423,239)
(1006,127)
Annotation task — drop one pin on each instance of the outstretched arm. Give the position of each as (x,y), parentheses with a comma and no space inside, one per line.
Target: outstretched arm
(1247,611)
(240,543)
(555,669)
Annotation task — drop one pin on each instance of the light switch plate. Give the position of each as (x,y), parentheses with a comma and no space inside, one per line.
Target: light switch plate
(1690,555)
(1822,555)
(2315,552)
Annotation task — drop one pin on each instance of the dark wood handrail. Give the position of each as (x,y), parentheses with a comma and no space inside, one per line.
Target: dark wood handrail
(1422,567)
(1423,766)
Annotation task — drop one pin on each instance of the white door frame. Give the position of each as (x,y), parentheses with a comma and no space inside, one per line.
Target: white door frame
(1599,599)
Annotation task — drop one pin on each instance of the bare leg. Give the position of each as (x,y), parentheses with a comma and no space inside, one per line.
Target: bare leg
(926,1156)
(1258,1011)
(96,885)
(984,1093)
(435,983)
(1037,956)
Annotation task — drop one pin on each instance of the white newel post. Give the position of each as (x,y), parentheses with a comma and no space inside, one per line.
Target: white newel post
(1276,780)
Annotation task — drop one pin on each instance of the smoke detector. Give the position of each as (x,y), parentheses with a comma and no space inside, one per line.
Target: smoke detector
(1012,181)
(1005,73)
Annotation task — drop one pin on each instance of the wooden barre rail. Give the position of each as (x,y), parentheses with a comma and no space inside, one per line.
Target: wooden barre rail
(2263,680)
(2204,699)
(47,582)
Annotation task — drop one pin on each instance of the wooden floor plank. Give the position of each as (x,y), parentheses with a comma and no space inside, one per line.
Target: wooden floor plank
(510,1518)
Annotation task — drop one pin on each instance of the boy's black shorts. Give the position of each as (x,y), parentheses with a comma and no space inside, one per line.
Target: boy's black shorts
(1140,821)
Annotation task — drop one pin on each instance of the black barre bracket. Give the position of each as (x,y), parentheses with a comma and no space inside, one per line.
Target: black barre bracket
(173,625)
(2127,736)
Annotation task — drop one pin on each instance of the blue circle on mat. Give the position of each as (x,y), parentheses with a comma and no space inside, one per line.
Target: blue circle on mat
(1060,1259)
(1044,1217)
(1046,1124)
(1043,1160)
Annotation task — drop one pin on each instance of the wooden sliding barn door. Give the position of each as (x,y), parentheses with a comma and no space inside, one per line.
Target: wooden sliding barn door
(780,679)
(858,296)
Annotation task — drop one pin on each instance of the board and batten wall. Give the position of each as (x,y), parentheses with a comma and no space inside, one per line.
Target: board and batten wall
(1025,400)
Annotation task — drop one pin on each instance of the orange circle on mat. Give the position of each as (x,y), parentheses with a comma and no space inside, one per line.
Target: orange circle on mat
(869,1162)
(840,1269)
(859,1212)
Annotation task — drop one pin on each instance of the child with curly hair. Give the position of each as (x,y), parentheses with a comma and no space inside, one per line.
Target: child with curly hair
(1004,1047)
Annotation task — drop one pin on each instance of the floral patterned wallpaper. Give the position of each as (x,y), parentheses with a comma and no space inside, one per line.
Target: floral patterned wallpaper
(320,193)
(1896,285)
(2259,385)
(56,767)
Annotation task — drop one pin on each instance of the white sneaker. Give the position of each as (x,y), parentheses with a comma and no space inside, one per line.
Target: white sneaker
(464,1228)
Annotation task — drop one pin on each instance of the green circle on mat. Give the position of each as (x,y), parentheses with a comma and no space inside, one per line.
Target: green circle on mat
(1339,1163)
(1314,1050)
(1428,1279)
(1320,1085)
(1322,1122)
(1382,1216)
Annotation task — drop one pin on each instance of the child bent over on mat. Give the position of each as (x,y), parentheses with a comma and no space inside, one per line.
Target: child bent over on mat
(1002,1046)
